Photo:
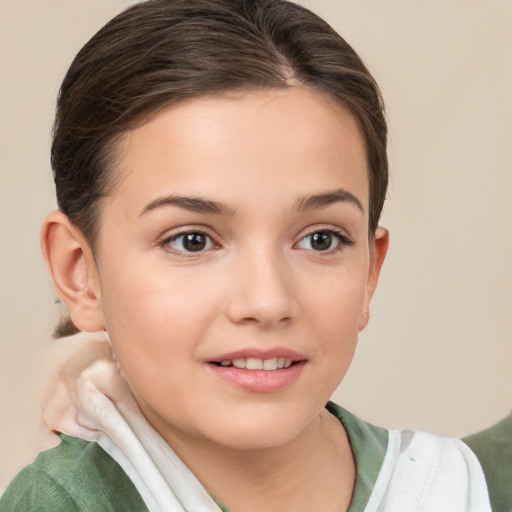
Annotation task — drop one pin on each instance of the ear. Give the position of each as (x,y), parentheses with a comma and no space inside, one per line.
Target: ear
(378,250)
(72,267)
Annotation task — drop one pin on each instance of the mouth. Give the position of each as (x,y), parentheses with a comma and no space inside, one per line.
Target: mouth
(255,363)
(259,371)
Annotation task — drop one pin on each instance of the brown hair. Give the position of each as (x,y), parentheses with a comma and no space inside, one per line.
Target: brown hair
(159,52)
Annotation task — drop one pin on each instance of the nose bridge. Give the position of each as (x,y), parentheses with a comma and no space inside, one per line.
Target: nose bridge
(262,288)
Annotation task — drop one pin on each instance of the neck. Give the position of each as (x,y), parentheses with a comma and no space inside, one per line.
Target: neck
(314,471)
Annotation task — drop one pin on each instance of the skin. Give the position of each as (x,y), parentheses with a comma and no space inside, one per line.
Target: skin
(261,285)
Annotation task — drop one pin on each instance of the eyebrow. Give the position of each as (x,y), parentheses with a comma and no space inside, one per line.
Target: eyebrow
(200,205)
(319,201)
(193,204)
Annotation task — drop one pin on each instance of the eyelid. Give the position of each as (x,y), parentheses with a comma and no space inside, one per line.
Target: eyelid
(317,228)
(169,236)
(341,235)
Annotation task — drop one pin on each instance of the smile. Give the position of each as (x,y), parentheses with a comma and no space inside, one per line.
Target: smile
(259,370)
(254,363)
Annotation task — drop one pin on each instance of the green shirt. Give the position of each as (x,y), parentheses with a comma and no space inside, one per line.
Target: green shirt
(493,447)
(79,476)
(76,476)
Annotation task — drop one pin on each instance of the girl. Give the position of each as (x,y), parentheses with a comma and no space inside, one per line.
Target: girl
(220,168)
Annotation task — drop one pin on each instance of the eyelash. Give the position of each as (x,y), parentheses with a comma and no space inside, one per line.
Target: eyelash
(180,234)
(342,241)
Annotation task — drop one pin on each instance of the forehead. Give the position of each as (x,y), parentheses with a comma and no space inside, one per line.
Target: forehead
(249,140)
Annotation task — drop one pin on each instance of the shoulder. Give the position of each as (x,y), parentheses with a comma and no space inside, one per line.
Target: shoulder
(76,476)
(404,470)
(493,447)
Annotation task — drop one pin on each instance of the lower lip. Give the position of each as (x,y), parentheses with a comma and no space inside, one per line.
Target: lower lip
(260,381)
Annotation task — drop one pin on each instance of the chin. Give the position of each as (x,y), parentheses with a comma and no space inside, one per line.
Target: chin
(258,429)
(257,438)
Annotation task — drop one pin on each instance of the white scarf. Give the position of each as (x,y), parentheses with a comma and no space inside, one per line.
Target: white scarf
(420,473)
(426,473)
(114,420)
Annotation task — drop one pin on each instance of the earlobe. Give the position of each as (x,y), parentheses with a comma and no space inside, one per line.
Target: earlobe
(72,268)
(379,250)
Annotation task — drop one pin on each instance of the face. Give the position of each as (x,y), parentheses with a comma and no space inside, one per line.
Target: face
(234,264)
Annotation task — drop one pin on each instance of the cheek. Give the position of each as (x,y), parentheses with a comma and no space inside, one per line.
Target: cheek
(157,328)
(334,312)
(338,301)
(150,320)
(145,297)
(153,336)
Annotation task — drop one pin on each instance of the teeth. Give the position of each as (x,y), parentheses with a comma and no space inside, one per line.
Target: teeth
(270,364)
(239,363)
(254,363)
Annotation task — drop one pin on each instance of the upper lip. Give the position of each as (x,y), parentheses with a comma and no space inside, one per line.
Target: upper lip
(259,353)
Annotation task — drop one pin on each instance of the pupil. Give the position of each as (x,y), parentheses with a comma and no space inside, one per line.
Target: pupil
(194,242)
(321,241)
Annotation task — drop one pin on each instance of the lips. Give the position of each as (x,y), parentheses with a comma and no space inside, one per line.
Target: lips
(276,358)
(259,371)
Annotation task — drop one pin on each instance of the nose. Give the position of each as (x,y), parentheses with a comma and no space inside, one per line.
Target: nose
(262,291)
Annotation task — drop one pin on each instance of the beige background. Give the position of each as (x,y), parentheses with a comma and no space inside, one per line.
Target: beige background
(437,354)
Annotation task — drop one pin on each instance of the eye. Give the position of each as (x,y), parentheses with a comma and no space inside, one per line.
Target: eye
(324,240)
(190,241)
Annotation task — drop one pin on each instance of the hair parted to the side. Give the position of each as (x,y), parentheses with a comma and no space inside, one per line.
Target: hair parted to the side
(159,52)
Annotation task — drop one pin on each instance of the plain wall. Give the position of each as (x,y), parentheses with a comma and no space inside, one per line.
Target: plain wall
(437,354)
